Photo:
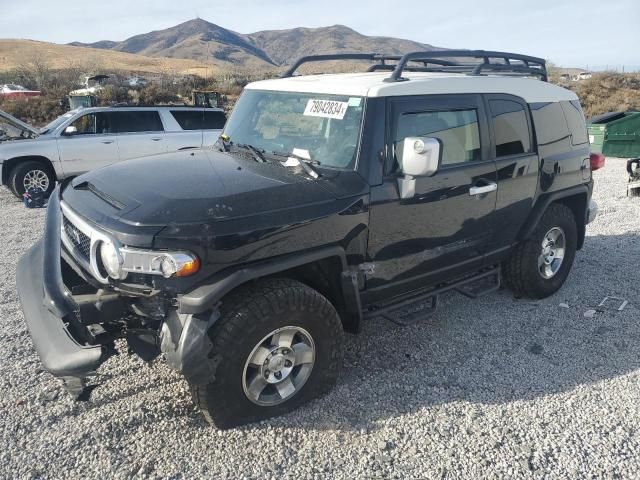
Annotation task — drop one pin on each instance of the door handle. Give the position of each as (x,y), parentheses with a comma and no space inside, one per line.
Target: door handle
(156,139)
(107,142)
(489,187)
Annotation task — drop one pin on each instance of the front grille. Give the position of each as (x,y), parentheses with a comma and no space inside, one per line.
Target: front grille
(77,238)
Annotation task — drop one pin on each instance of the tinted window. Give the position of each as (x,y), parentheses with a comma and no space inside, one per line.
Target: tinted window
(457,131)
(137,121)
(199,119)
(575,121)
(549,122)
(510,127)
(92,124)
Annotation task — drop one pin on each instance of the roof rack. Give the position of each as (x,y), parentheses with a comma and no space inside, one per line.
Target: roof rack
(452,61)
(339,56)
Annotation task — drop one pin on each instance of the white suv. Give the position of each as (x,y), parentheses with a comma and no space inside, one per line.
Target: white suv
(89,138)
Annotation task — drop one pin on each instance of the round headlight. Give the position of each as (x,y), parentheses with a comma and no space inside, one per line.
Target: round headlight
(111,260)
(175,264)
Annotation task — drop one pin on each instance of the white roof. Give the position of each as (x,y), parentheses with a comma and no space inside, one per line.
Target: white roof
(419,83)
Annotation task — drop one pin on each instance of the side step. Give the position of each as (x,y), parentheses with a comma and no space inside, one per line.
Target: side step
(414,306)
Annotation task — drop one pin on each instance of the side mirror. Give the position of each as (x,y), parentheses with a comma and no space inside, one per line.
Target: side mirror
(418,157)
(70,130)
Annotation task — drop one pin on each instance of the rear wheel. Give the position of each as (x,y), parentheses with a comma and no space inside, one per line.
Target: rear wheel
(279,345)
(31,174)
(539,266)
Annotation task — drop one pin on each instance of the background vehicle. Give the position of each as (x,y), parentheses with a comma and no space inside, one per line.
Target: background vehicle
(89,138)
(91,85)
(82,101)
(331,197)
(17,91)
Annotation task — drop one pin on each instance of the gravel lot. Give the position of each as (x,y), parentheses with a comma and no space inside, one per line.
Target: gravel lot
(497,387)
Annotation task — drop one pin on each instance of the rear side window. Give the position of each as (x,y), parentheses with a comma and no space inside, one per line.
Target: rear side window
(511,127)
(199,119)
(457,131)
(549,122)
(137,121)
(575,121)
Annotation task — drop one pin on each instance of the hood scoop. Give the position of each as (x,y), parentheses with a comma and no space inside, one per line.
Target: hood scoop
(86,185)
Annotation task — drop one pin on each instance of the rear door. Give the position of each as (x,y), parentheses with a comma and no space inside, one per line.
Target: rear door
(516,159)
(184,128)
(445,228)
(195,127)
(140,133)
(93,145)
(213,124)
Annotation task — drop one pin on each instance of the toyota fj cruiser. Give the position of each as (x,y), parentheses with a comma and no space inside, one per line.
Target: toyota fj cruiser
(328,199)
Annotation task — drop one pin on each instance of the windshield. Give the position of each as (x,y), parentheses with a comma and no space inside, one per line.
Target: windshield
(322,128)
(56,123)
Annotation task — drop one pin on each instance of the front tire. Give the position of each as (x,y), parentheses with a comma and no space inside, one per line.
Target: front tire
(279,344)
(31,174)
(539,266)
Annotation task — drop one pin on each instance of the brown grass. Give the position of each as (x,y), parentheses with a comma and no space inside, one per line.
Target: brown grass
(607,92)
(14,54)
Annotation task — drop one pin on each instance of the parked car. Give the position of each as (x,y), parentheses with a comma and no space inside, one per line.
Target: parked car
(329,199)
(16,91)
(89,138)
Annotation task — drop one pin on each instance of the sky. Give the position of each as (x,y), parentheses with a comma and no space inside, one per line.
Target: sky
(571,33)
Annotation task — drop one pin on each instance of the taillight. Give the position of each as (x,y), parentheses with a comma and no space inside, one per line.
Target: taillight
(596,160)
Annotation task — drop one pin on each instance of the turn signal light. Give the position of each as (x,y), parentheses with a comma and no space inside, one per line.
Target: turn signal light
(189,267)
(596,160)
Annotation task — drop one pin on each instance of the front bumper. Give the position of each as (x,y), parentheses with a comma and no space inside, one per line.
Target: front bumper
(50,312)
(58,322)
(592,211)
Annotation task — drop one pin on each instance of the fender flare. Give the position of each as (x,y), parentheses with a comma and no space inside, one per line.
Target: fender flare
(208,294)
(543,203)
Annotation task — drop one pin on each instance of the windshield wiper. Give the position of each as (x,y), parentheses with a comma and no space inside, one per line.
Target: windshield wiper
(258,154)
(305,163)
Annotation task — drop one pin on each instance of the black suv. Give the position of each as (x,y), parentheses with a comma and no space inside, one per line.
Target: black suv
(327,199)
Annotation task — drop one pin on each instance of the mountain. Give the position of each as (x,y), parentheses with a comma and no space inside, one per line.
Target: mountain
(204,41)
(286,46)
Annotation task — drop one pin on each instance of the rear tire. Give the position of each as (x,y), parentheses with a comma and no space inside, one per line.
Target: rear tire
(539,266)
(31,174)
(261,373)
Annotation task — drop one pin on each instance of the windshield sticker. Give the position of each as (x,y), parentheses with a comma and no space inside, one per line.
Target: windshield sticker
(301,152)
(326,109)
(354,101)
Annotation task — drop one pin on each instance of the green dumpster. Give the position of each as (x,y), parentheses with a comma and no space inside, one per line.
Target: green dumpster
(616,134)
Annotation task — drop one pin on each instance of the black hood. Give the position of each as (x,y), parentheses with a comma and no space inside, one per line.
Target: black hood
(195,187)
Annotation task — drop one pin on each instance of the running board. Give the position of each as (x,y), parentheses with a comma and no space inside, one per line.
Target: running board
(414,306)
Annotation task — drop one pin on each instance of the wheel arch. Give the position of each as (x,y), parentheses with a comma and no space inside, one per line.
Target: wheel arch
(10,164)
(324,270)
(575,198)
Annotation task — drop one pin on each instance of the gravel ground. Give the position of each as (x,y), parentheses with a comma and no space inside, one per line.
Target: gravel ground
(497,387)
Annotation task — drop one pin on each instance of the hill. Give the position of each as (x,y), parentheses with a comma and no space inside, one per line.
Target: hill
(15,53)
(201,40)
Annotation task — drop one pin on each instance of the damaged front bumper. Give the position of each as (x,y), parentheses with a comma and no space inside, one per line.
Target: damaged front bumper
(51,314)
(74,334)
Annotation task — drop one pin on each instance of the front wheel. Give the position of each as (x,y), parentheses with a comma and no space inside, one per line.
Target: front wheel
(31,174)
(279,344)
(539,266)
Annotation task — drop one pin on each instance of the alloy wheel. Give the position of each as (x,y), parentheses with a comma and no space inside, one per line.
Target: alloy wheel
(279,366)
